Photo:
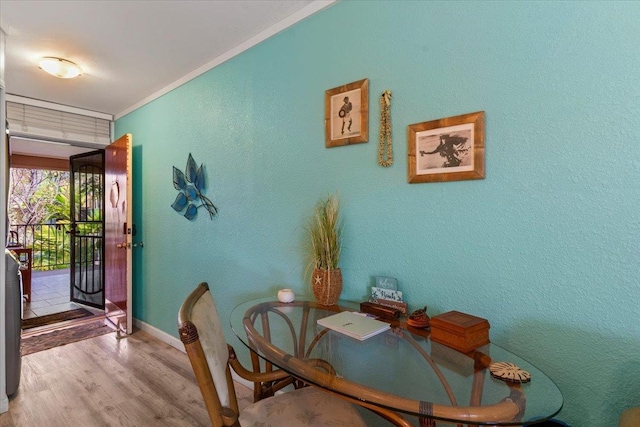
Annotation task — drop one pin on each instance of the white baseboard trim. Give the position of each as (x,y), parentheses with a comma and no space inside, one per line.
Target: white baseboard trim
(161,335)
(4,403)
(177,344)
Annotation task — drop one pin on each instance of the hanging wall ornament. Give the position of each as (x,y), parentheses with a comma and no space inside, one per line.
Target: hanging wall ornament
(385,130)
(190,186)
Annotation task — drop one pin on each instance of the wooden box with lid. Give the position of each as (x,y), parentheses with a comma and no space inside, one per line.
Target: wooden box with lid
(460,331)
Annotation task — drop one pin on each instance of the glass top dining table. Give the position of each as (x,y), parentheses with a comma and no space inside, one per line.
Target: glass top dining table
(400,370)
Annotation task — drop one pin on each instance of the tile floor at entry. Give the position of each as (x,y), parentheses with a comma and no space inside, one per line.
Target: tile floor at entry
(49,294)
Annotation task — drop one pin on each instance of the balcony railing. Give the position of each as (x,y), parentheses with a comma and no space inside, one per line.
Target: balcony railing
(51,244)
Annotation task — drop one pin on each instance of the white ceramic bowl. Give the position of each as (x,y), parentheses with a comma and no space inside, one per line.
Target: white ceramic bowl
(286,295)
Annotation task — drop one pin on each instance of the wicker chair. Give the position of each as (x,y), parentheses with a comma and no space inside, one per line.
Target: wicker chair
(630,418)
(211,358)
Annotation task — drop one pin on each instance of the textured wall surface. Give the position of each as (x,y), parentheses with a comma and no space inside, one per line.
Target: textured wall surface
(546,247)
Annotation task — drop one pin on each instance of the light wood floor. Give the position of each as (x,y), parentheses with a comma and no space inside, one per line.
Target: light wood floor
(137,381)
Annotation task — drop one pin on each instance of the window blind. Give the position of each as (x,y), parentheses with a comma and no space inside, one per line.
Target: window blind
(39,122)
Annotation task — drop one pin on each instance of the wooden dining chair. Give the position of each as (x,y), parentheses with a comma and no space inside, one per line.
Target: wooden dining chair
(630,418)
(211,358)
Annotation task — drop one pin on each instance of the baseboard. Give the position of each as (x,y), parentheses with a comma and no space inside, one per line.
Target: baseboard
(161,335)
(4,403)
(177,344)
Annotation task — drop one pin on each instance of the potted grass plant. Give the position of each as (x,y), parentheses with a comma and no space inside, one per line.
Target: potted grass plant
(324,230)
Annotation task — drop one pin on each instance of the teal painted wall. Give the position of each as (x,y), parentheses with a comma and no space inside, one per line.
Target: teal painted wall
(546,247)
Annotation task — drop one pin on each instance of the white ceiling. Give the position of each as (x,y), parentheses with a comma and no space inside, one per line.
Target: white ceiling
(130,51)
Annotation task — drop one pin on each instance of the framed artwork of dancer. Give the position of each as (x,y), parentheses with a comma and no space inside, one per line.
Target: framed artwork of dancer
(449,149)
(346,114)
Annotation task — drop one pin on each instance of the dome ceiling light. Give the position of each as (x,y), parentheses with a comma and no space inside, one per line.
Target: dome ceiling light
(59,67)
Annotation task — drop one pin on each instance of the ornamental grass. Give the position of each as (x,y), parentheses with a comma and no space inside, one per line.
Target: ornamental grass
(324,229)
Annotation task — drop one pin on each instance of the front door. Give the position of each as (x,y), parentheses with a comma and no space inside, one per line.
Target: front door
(118,233)
(87,228)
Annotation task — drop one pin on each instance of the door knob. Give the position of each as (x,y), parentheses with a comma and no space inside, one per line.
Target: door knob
(122,245)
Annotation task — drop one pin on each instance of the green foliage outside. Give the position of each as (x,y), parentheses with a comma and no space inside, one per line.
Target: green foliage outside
(39,211)
(33,196)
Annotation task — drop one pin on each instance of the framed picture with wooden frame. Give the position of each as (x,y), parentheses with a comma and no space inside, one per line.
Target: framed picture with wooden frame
(346,114)
(449,149)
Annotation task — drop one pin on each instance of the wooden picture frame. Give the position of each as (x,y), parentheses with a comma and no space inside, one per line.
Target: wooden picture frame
(449,149)
(346,114)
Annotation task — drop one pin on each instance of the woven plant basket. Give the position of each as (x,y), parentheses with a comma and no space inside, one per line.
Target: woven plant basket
(327,285)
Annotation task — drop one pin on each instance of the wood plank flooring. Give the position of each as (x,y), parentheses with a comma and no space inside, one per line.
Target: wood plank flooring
(137,381)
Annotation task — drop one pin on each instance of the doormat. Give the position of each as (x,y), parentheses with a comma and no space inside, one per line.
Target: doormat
(62,337)
(49,319)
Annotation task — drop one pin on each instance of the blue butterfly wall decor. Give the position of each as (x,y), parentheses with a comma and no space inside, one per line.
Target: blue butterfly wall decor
(190,186)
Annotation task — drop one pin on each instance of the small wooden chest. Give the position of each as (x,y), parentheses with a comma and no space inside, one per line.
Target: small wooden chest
(460,331)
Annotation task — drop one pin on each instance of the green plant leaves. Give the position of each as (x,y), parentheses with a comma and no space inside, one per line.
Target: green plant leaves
(324,229)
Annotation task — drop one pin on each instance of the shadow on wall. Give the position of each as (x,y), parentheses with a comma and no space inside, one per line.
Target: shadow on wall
(137,258)
(599,371)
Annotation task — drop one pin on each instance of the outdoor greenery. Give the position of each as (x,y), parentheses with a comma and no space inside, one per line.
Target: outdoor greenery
(38,196)
(39,210)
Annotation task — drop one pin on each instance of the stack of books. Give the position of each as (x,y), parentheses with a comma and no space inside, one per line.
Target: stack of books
(354,325)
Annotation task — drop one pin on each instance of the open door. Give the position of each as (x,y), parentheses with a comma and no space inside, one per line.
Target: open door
(118,234)
(87,228)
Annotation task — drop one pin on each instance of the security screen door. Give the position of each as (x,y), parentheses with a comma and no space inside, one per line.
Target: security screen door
(87,228)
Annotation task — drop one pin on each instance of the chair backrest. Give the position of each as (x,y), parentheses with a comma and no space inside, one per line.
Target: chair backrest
(203,338)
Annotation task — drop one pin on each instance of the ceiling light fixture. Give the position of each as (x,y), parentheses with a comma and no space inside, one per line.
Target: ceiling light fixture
(59,67)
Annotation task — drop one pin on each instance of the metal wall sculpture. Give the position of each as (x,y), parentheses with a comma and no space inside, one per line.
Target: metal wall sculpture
(190,186)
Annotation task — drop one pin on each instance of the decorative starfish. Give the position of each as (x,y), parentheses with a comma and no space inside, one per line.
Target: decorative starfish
(318,280)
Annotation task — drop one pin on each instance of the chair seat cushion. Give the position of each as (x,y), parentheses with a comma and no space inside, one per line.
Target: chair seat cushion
(308,406)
